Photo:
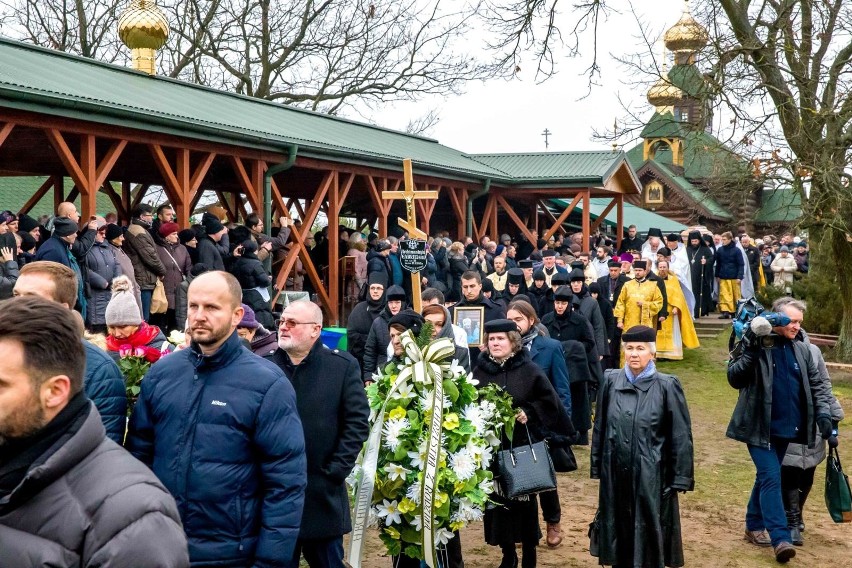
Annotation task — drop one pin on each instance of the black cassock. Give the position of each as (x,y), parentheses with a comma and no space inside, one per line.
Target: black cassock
(642,454)
(702,278)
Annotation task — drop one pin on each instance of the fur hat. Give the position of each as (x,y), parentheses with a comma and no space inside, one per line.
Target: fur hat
(186,235)
(500,325)
(122,308)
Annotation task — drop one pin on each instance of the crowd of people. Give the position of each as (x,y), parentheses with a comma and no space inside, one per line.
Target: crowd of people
(242,434)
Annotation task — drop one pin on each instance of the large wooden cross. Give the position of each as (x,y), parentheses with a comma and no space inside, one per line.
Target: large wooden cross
(410,222)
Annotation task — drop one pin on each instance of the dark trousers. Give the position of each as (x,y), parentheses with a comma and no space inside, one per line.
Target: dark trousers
(449,557)
(324,553)
(797,479)
(765,507)
(551,512)
(146,303)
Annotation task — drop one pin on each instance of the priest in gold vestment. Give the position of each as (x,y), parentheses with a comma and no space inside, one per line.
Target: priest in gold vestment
(676,331)
(640,300)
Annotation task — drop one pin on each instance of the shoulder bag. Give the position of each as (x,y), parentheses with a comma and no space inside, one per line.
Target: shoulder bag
(525,470)
(838,497)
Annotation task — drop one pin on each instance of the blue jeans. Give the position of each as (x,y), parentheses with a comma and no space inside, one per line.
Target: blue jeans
(146,303)
(765,507)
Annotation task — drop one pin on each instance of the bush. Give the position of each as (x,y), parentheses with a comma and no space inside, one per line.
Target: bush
(822,297)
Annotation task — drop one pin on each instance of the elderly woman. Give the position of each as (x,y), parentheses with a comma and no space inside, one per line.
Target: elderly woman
(126,327)
(642,455)
(508,365)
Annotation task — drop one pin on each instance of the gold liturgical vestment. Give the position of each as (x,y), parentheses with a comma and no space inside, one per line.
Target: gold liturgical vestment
(628,311)
(676,331)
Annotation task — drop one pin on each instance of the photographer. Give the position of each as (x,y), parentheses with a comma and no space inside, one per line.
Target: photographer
(775,364)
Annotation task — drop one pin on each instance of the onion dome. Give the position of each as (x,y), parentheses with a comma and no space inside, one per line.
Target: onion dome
(687,35)
(143,26)
(663,93)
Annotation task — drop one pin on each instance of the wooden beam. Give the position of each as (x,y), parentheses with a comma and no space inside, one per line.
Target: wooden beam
(458,200)
(58,191)
(141,192)
(514,217)
(66,156)
(620,228)
(106,165)
(36,197)
(333,213)
(552,231)
(585,216)
(115,198)
(5,130)
(603,215)
(223,201)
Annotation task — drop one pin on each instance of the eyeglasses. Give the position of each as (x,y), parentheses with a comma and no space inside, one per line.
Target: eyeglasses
(290,323)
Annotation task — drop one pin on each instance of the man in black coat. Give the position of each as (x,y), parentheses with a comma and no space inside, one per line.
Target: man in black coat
(473,297)
(612,283)
(334,411)
(632,242)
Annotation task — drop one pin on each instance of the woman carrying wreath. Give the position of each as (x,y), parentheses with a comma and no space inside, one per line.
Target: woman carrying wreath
(507,364)
(642,455)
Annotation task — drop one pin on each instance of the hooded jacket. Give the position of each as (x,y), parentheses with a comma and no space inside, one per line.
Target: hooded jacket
(375,348)
(359,323)
(223,434)
(85,503)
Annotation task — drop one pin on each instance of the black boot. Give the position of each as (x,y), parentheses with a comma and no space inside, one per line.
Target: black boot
(510,557)
(803,496)
(794,515)
(528,560)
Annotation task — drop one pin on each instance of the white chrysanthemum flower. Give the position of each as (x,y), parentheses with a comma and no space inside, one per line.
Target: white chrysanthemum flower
(480,450)
(389,511)
(473,414)
(463,464)
(488,408)
(443,536)
(457,370)
(392,431)
(396,471)
(467,512)
(413,492)
(426,400)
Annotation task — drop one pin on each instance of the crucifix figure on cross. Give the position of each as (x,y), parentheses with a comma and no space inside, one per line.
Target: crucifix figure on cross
(410,222)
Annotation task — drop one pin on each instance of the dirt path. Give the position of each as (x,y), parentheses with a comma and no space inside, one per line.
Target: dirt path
(711,517)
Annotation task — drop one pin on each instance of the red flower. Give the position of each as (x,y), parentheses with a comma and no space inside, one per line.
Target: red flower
(152,354)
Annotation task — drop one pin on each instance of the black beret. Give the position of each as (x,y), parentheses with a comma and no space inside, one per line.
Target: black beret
(525,264)
(614,264)
(563,294)
(577,274)
(378,278)
(409,319)
(655,233)
(515,276)
(559,278)
(539,275)
(500,325)
(547,252)
(113,231)
(643,264)
(665,251)
(639,334)
(63,227)
(396,293)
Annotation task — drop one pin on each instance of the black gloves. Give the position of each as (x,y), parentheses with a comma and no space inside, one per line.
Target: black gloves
(824,425)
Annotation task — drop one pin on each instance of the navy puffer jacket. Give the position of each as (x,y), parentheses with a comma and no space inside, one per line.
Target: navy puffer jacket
(223,435)
(104,385)
(730,264)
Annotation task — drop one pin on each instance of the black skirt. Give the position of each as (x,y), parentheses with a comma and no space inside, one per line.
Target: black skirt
(509,521)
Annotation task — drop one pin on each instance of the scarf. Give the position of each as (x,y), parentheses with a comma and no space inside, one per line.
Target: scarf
(528,337)
(140,338)
(647,372)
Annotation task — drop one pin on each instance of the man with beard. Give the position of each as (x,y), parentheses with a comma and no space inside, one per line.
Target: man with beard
(700,259)
(589,308)
(651,246)
(68,495)
(632,243)
(640,300)
(140,247)
(364,314)
(333,408)
(676,331)
(601,262)
(219,427)
(473,297)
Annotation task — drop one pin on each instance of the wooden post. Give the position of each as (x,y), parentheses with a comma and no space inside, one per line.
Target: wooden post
(410,222)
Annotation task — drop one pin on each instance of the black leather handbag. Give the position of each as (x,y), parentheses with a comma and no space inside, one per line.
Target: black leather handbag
(525,470)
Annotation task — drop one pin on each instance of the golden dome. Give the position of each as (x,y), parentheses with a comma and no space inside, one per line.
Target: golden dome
(686,35)
(143,26)
(663,93)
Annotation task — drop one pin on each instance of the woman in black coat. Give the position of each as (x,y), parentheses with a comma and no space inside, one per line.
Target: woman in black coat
(642,454)
(540,412)
(364,314)
(254,280)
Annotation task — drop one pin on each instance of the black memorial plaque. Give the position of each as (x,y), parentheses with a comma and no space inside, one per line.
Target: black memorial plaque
(412,255)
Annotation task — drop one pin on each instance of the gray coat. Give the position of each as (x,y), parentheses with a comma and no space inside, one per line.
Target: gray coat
(90,503)
(800,455)
(103,268)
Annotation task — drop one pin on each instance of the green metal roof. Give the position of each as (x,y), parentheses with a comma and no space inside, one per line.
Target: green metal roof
(661,126)
(633,215)
(16,191)
(589,166)
(695,193)
(55,83)
(688,79)
(782,205)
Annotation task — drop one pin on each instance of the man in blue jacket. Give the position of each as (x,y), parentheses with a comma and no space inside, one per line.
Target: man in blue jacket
(219,427)
(103,381)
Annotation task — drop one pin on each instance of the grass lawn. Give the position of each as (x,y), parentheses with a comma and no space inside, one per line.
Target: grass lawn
(713,514)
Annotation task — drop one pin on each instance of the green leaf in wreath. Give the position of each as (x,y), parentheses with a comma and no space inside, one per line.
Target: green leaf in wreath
(450,390)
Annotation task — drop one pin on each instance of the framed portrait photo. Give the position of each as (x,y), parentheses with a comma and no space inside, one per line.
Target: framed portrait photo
(472,320)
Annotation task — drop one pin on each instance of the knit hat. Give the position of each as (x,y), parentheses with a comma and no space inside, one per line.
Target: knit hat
(595,288)
(26,223)
(640,334)
(113,231)
(396,293)
(28,243)
(211,223)
(186,235)
(499,250)
(63,227)
(539,275)
(7,217)
(122,308)
(784,248)
(167,229)
(248,321)
(487,285)
(409,319)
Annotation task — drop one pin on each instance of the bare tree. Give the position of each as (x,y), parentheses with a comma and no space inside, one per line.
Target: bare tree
(319,54)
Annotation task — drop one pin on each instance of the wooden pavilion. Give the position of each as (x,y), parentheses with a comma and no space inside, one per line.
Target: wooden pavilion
(109,129)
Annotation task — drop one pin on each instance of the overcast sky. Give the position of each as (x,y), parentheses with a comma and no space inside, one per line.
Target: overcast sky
(509,116)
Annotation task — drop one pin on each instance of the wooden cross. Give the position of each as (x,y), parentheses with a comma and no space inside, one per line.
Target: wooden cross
(410,222)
